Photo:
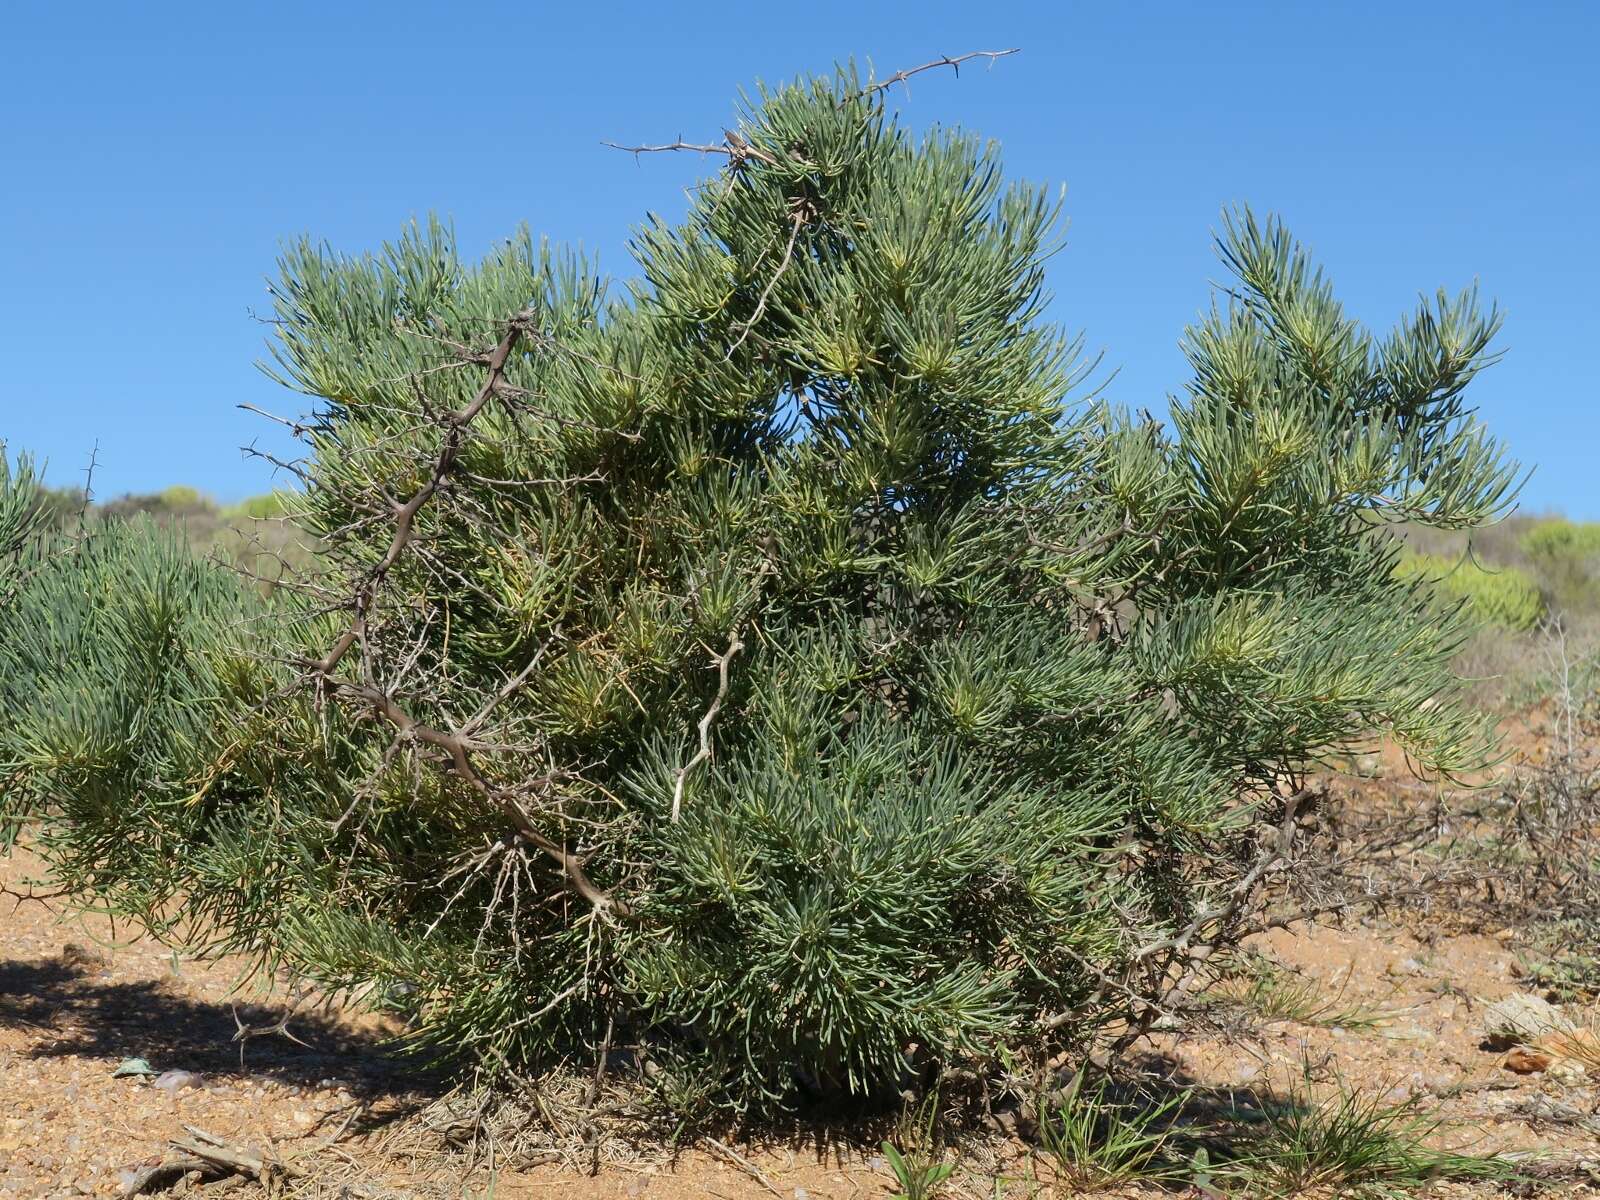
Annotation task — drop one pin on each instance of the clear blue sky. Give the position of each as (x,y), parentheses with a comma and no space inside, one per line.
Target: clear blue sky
(154,156)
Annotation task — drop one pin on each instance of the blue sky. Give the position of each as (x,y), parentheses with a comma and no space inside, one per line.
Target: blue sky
(156,155)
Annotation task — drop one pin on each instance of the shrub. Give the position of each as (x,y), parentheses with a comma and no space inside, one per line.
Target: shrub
(1566,556)
(177,503)
(769,667)
(266,507)
(22,504)
(120,673)
(1557,541)
(1502,596)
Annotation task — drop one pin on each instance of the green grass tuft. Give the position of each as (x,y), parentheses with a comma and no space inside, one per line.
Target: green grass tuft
(1351,1145)
(1274,994)
(1097,1143)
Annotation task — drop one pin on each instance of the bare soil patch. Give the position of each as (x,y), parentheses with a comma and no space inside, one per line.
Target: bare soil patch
(78,998)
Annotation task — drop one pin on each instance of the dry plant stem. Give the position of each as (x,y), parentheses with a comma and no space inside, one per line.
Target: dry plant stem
(456,748)
(946,61)
(744,1164)
(735,147)
(455,745)
(738,150)
(405,514)
(735,644)
(1206,931)
(213,1159)
(761,303)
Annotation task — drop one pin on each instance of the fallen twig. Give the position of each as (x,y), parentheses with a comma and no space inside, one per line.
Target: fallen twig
(743,1163)
(210,1157)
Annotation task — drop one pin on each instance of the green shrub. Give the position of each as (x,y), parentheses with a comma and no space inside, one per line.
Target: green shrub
(177,503)
(770,667)
(122,654)
(1562,541)
(1565,557)
(182,498)
(1502,596)
(22,519)
(266,507)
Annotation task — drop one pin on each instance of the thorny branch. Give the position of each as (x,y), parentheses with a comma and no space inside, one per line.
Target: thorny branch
(405,515)
(733,145)
(1210,927)
(739,150)
(458,751)
(456,745)
(946,61)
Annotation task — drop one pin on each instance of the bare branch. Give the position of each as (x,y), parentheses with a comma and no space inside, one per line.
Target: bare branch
(735,644)
(733,145)
(801,213)
(953,63)
(456,746)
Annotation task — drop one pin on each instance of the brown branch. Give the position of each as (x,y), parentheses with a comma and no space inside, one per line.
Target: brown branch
(738,150)
(458,750)
(680,144)
(456,747)
(1241,892)
(1219,917)
(212,1158)
(405,514)
(733,145)
(953,63)
(735,644)
(744,1164)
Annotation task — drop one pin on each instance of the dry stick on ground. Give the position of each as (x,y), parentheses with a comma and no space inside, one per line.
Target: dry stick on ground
(19,897)
(210,1157)
(244,1032)
(735,644)
(456,747)
(744,1164)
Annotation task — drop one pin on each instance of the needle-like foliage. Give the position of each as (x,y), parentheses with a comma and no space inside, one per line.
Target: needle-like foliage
(769,668)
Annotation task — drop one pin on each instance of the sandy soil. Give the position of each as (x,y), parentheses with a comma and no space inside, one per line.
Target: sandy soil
(77,999)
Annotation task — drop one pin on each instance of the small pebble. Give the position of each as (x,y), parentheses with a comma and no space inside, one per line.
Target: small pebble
(173,1082)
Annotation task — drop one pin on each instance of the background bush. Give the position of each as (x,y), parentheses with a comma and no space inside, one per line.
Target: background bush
(1502,596)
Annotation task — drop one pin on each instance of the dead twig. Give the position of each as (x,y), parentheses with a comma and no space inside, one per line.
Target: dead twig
(457,746)
(945,61)
(243,1033)
(744,1164)
(802,212)
(733,145)
(211,1158)
(735,644)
